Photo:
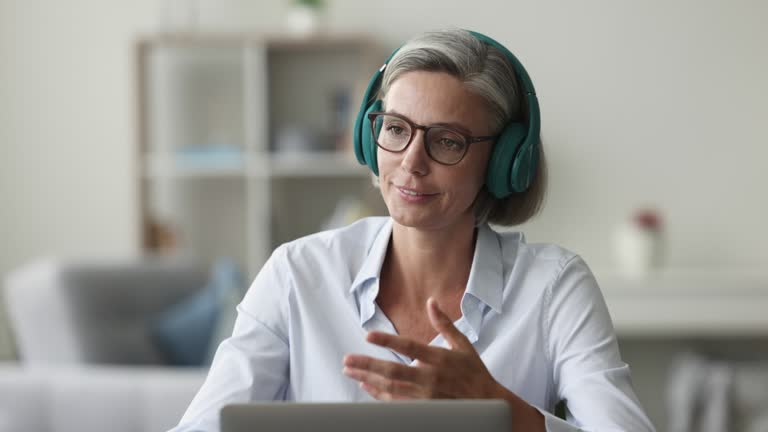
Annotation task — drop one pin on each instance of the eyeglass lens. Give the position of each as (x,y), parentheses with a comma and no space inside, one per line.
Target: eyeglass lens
(443,145)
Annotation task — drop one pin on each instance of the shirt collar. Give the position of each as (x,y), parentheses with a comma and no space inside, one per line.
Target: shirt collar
(371,268)
(486,277)
(485,283)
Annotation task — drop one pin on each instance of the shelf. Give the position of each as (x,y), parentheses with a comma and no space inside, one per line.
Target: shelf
(688,302)
(212,108)
(259,165)
(161,166)
(316,164)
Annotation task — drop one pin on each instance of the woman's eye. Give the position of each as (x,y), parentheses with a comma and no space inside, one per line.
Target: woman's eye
(449,144)
(394,130)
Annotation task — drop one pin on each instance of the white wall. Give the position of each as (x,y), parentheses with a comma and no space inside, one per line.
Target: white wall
(66,129)
(643,102)
(651,102)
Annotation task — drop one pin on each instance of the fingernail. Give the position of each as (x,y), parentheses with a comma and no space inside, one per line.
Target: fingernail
(436,307)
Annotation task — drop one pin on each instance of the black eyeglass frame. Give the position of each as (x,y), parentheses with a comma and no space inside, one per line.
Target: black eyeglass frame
(467,138)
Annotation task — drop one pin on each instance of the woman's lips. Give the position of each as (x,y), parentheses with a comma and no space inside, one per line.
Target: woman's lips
(414,196)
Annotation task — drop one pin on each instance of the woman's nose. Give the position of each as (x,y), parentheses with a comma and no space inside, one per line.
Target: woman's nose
(415,157)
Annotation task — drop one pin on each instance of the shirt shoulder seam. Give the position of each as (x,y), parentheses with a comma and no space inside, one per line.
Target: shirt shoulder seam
(547,304)
(263,324)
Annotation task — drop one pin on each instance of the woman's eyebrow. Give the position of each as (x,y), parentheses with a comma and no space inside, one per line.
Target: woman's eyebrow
(456,126)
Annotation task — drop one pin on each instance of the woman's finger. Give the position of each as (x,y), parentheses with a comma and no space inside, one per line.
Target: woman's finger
(443,324)
(383,387)
(375,392)
(408,347)
(381,395)
(387,369)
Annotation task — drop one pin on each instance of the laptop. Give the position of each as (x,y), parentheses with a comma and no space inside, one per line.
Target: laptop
(410,416)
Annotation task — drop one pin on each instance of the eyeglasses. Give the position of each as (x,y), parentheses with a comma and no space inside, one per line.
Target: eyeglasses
(394,133)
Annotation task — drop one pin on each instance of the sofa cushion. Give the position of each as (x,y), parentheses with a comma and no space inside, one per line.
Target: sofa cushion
(184,331)
(187,332)
(231,289)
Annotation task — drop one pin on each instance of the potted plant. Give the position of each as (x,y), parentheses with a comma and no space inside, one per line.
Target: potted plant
(304,16)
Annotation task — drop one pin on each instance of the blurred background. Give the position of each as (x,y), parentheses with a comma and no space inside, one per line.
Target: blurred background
(154,152)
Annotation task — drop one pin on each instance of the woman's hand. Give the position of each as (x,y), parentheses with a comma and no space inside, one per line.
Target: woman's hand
(439,373)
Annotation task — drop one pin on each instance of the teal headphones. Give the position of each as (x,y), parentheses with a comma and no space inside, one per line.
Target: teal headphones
(512,165)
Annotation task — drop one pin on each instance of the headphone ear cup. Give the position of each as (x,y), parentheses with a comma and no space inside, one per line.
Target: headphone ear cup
(357,135)
(525,164)
(367,143)
(501,164)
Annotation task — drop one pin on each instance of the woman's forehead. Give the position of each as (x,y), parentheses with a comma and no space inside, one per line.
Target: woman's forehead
(437,97)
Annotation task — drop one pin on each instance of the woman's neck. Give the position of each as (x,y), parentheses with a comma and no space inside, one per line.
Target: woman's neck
(429,263)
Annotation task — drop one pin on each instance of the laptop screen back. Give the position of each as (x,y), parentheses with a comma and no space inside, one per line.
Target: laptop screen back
(410,416)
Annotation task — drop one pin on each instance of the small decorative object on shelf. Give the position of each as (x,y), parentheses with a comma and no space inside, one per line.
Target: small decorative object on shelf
(341,102)
(295,139)
(210,156)
(304,17)
(160,237)
(639,243)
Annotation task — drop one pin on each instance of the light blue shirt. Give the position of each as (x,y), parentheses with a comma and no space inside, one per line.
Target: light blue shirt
(534,313)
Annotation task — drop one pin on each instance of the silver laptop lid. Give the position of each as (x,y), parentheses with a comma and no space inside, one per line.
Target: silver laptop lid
(410,416)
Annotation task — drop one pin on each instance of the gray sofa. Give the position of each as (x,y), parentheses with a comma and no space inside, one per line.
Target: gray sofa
(86,358)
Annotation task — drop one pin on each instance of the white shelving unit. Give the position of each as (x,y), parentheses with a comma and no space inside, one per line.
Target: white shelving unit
(245,140)
(677,303)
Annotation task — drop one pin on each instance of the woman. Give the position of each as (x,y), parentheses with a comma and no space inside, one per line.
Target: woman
(431,302)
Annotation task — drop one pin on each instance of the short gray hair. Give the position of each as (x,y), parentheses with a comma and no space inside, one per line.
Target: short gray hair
(487,72)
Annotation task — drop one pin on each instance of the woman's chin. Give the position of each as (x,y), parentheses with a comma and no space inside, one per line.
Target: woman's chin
(408,220)
(428,218)
(412,218)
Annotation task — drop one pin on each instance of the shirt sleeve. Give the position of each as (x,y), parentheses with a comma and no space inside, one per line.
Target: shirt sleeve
(252,364)
(588,372)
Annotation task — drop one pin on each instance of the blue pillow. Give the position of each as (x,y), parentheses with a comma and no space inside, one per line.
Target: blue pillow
(230,290)
(183,331)
(187,331)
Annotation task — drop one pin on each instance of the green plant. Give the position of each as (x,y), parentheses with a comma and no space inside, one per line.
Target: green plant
(315,4)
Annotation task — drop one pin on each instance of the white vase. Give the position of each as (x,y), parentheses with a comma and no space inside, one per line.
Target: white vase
(303,20)
(638,250)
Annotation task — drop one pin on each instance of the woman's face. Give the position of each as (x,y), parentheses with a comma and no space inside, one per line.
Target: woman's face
(444,193)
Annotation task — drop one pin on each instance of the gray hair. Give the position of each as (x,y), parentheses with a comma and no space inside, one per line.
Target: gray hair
(482,68)
(487,72)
